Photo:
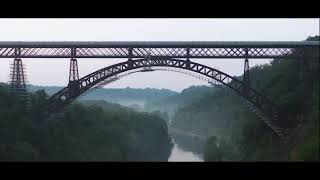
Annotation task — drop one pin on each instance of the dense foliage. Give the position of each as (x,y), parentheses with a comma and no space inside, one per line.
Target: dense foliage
(88,132)
(225,116)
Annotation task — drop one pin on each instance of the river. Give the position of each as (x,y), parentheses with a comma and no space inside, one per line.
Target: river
(179,154)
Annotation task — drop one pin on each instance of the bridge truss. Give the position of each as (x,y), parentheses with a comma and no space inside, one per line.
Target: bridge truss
(164,54)
(155,49)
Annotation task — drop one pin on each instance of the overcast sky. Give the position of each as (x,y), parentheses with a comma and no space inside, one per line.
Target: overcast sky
(55,71)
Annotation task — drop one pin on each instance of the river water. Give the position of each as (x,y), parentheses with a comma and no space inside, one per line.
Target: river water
(179,154)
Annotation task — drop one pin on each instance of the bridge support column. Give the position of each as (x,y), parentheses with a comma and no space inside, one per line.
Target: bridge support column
(73,75)
(18,80)
(188,60)
(188,63)
(130,62)
(73,72)
(17,76)
(246,80)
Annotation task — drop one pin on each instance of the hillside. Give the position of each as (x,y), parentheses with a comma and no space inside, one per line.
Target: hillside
(171,103)
(87,132)
(124,96)
(225,117)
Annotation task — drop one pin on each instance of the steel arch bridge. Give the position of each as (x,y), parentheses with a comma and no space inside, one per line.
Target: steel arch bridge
(267,109)
(75,89)
(164,54)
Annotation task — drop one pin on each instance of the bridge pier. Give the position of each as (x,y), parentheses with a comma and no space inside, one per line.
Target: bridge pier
(18,80)
(73,85)
(74,89)
(188,60)
(17,76)
(73,71)
(246,80)
(130,62)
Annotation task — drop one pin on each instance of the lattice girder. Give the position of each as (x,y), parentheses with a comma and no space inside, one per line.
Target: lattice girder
(166,52)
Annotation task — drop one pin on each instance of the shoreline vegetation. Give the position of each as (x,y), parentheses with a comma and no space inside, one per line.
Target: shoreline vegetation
(236,133)
(87,132)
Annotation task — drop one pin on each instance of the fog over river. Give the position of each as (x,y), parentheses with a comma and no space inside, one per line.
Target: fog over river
(179,154)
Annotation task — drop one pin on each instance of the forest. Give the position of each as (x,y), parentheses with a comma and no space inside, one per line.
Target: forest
(236,133)
(86,132)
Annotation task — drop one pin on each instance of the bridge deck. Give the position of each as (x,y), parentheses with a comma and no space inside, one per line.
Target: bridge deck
(158,49)
(164,44)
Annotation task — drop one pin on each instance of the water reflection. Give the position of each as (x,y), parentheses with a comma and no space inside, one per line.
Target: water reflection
(179,154)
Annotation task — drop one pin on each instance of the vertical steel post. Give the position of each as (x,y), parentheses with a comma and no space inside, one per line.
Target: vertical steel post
(188,60)
(73,75)
(17,74)
(73,72)
(18,79)
(246,80)
(130,63)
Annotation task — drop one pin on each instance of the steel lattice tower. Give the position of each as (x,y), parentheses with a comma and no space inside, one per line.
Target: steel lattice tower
(74,72)
(18,82)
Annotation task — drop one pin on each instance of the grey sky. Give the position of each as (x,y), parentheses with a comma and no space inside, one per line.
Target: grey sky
(55,71)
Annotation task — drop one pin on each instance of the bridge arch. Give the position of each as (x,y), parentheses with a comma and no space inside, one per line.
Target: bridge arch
(117,77)
(98,76)
(263,106)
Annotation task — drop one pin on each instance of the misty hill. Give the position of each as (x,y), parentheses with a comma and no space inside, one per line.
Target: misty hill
(224,116)
(124,96)
(50,90)
(88,131)
(171,103)
(106,105)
